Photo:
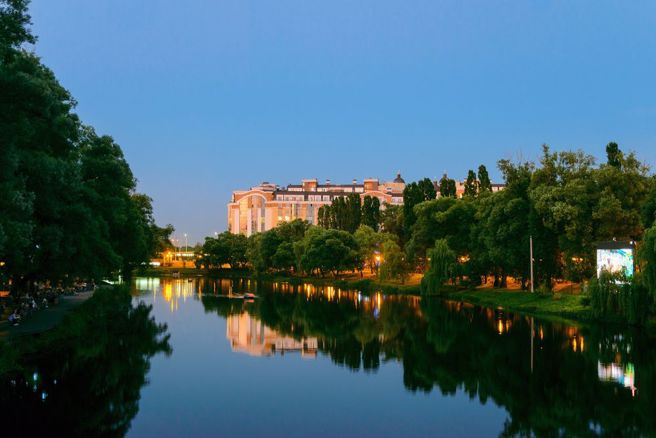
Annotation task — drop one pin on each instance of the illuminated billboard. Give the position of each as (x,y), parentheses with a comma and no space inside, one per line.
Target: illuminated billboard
(615,261)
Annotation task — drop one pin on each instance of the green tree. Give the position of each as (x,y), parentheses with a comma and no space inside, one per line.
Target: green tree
(623,192)
(68,196)
(441,268)
(447,187)
(371,216)
(484,184)
(503,217)
(614,155)
(14,22)
(649,207)
(391,220)
(254,253)
(292,231)
(353,212)
(471,185)
(443,218)
(647,259)
(563,194)
(427,189)
(370,245)
(329,251)
(325,217)
(394,264)
(413,194)
(284,257)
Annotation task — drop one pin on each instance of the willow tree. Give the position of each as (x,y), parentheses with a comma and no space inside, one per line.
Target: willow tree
(441,267)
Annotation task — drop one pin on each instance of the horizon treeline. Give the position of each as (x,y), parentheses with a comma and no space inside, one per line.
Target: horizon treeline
(568,202)
(68,201)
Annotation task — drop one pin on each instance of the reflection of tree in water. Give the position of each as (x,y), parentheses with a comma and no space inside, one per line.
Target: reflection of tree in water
(485,353)
(85,377)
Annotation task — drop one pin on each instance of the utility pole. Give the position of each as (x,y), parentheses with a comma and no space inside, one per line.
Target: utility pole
(531,250)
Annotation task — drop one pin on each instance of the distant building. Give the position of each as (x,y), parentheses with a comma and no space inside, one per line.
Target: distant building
(263,207)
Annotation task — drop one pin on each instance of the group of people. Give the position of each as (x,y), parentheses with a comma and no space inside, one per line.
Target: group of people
(40,299)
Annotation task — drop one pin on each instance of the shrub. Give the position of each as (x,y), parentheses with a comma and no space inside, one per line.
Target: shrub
(614,296)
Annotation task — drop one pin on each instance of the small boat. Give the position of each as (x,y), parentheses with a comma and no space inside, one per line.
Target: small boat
(231,296)
(246,296)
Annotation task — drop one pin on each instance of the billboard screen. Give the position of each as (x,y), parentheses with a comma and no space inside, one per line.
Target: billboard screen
(615,261)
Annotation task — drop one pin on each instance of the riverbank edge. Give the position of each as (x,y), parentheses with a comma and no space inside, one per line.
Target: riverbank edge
(45,319)
(568,308)
(366,285)
(563,307)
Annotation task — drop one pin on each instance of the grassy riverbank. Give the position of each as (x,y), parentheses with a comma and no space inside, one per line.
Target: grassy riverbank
(557,305)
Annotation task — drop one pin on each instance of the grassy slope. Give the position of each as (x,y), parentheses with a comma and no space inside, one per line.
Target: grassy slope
(551,305)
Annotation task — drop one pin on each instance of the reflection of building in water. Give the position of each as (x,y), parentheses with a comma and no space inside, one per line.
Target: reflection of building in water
(622,374)
(249,335)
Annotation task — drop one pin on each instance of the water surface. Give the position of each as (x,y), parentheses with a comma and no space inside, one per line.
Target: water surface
(302,360)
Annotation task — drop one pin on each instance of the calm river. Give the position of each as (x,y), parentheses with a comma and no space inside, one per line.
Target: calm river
(300,360)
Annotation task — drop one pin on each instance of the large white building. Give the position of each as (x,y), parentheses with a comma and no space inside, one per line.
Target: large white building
(263,207)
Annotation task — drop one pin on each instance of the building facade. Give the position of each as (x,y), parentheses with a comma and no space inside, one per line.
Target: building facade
(265,206)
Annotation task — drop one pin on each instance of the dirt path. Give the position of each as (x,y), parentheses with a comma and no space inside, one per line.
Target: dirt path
(45,319)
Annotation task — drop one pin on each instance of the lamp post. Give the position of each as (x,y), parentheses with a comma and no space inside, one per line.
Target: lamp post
(186,242)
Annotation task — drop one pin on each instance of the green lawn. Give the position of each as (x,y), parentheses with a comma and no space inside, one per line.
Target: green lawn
(554,305)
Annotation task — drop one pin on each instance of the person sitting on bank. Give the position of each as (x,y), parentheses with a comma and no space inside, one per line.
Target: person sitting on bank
(14,318)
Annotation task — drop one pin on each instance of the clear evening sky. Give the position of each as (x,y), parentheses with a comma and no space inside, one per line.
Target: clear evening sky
(208,96)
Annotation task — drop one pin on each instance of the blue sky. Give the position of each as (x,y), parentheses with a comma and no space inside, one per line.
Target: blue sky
(208,96)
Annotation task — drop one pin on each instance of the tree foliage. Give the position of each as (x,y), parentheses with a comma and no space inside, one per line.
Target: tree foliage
(447,187)
(442,267)
(484,183)
(471,184)
(69,201)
